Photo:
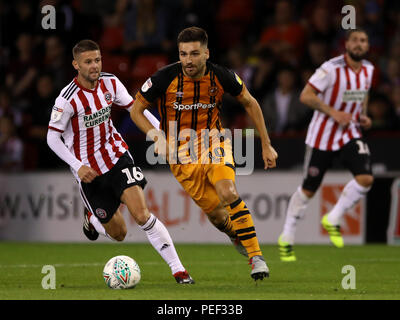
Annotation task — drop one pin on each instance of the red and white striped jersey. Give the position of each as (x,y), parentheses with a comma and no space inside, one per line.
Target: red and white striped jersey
(343,89)
(83,117)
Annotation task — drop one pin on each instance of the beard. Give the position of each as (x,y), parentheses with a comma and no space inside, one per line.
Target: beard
(357,56)
(91,78)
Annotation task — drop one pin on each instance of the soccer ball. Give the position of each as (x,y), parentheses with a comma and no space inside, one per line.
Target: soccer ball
(121,272)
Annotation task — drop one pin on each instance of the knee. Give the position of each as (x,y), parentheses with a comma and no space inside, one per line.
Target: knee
(218,216)
(228,195)
(365,180)
(120,234)
(141,216)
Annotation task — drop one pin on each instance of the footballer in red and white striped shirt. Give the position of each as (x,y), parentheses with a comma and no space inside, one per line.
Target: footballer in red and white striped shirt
(338,93)
(83,116)
(344,89)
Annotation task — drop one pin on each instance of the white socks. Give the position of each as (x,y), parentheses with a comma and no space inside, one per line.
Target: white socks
(160,239)
(158,236)
(351,194)
(296,208)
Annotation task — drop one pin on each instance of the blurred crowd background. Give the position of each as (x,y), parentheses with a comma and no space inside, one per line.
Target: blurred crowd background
(274,46)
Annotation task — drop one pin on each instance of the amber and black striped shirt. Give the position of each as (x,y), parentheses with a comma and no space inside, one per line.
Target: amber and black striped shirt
(193,104)
(185,103)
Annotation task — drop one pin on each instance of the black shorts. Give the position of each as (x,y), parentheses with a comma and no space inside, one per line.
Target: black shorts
(354,156)
(102,196)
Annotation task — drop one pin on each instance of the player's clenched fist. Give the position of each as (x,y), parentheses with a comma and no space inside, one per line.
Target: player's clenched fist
(87,174)
(269,156)
(161,147)
(343,118)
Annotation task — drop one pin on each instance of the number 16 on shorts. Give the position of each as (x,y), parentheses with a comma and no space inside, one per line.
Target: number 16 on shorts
(133,175)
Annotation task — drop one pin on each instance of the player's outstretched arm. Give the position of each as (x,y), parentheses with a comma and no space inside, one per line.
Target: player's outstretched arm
(310,98)
(143,119)
(149,124)
(254,111)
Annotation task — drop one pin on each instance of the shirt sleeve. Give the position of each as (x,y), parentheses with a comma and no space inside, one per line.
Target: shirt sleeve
(229,80)
(122,97)
(322,78)
(57,145)
(150,90)
(61,114)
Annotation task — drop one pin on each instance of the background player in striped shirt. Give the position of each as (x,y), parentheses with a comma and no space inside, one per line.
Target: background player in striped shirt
(99,157)
(189,96)
(338,92)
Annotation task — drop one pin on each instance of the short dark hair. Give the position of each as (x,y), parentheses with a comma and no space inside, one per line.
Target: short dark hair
(83,46)
(193,34)
(351,31)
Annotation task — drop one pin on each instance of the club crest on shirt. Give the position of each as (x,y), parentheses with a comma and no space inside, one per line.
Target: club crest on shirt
(56,114)
(212,91)
(107,97)
(320,74)
(147,85)
(179,94)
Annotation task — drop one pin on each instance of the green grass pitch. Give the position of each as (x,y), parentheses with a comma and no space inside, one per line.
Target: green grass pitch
(219,271)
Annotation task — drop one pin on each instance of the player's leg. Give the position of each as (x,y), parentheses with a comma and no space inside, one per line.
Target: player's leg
(316,163)
(116,226)
(222,177)
(155,230)
(193,179)
(243,225)
(295,211)
(220,218)
(356,158)
(89,228)
(99,208)
(128,183)
(239,215)
(92,227)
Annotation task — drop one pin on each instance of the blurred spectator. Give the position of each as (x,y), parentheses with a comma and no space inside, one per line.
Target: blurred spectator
(21,19)
(317,52)
(40,155)
(391,75)
(145,27)
(233,18)
(320,24)
(305,74)
(190,13)
(281,108)
(6,110)
(395,97)
(285,36)
(55,62)
(22,71)
(382,113)
(237,61)
(264,74)
(11,147)
(374,26)
(112,38)
(99,8)
(395,49)
(70,25)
